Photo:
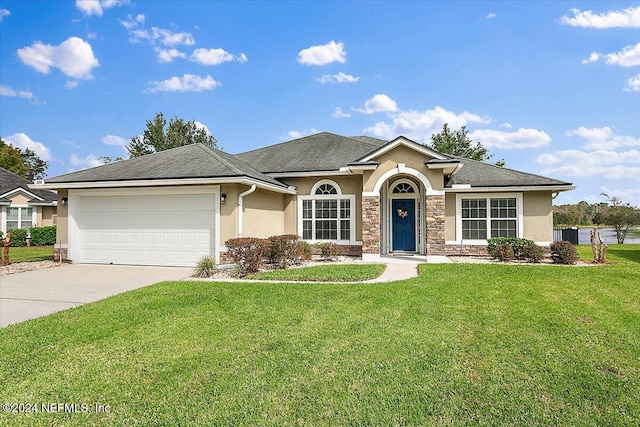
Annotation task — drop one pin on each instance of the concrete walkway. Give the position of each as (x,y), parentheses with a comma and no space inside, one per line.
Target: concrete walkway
(32,294)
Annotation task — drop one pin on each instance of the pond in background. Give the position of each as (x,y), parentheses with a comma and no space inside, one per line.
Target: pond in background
(608,234)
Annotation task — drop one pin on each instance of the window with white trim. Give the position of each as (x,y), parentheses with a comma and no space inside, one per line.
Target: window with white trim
(327,214)
(19,218)
(484,217)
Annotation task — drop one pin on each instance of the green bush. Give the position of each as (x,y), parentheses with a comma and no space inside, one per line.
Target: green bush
(517,244)
(43,236)
(248,252)
(206,267)
(18,237)
(564,252)
(503,252)
(327,250)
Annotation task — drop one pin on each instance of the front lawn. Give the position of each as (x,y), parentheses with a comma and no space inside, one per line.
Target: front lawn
(324,273)
(462,344)
(30,254)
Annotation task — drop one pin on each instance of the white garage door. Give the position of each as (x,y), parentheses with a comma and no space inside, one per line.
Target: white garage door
(143,229)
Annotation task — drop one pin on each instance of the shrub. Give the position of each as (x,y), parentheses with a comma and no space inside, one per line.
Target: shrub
(327,250)
(564,252)
(18,237)
(206,267)
(282,250)
(533,253)
(248,252)
(43,236)
(302,252)
(517,244)
(503,252)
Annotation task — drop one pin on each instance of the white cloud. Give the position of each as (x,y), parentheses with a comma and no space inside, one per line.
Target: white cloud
(295,134)
(186,83)
(74,57)
(132,22)
(420,126)
(26,94)
(625,18)
(202,126)
(626,195)
(114,140)
(633,83)
(164,36)
(22,140)
(595,56)
(629,56)
(380,103)
(601,163)
(548,159)
(490,16)
(323,54)
(215,56)
(71,84)
(506,125)
(337,78)
(522,138)
(339,113)
(168,55)
(90,161)
(603,138)
(97,7)
(3,13)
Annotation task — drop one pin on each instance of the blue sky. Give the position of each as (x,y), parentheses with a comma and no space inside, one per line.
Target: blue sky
(551,87)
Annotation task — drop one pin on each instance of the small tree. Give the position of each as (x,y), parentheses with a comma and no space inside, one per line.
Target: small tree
(621,216)
(25,162)
(158,136)
(458,143)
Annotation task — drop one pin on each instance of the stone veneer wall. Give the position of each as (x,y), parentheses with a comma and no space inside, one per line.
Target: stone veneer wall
(60,251)
(435,225)
(466,250)
(371,224)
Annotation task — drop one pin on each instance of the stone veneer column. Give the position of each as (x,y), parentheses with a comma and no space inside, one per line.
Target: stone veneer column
(371,225)
(435,224)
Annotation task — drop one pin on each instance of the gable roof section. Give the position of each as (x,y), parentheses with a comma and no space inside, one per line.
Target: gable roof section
(477,174)
(189,161)
(320,152)
(10,183)
(401,140)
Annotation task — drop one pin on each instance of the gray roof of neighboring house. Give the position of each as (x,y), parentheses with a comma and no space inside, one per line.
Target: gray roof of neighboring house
(480,174)
(320,152)
(189,161)
(9,181)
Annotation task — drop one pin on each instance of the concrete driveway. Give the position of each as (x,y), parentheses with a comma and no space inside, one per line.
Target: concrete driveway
(37,293)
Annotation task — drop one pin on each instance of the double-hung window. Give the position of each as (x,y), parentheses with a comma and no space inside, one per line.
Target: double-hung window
(19,218)
(483,217)
(327,214)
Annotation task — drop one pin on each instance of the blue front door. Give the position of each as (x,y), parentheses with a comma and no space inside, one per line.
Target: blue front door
(403,224)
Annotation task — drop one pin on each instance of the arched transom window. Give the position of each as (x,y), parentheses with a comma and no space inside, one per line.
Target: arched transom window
(404,188)
(326,214)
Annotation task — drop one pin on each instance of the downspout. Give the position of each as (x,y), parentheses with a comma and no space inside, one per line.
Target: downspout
(240,208)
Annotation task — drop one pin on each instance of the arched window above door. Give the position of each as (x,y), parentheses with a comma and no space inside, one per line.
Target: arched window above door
(404,187)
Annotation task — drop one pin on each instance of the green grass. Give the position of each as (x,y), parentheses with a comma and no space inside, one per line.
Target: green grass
(31,254)
(462,344)
(324,273)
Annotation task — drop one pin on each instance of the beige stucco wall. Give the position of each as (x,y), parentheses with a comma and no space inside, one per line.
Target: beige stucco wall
(537,211)
(349,184)
(450,216)
(411,158)
(47,215)
(62,223)
(228,210)
(19,199)
(263,214)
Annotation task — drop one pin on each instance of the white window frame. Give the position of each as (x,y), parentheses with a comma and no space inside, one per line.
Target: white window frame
(5,216)
(339,196)
(488,197)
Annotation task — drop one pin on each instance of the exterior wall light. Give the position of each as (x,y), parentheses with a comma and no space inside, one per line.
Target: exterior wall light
(223,197)
(64,201)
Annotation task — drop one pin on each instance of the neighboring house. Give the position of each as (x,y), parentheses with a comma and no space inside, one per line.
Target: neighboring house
(23,207)
(371,197)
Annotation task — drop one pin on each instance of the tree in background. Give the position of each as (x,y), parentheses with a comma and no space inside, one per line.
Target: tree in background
(158,136)
(621,216)
(23,163)
(458,143)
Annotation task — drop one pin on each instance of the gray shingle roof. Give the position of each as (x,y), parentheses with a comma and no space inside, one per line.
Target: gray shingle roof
(10,181)
(320,152)
(479,174)
(189,161)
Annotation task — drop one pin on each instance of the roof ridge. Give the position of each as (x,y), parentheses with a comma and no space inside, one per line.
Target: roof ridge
(511,169)
(290,140)
(210,151)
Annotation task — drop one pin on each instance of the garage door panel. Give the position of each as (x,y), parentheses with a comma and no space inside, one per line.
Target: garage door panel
(172,230)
